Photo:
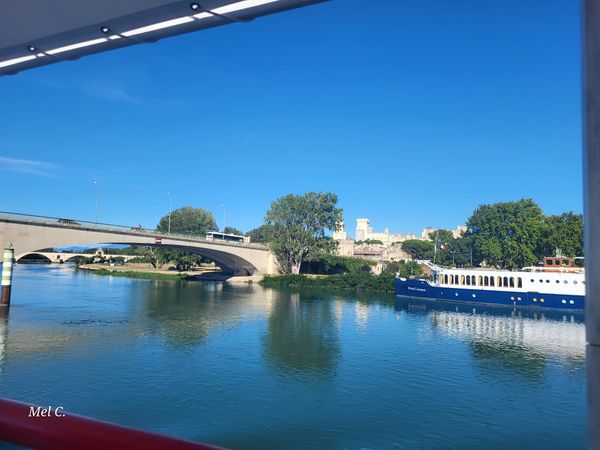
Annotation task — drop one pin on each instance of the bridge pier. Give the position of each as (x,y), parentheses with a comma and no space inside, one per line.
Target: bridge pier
(7,266)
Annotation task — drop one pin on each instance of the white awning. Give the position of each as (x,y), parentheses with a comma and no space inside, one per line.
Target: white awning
(38,32)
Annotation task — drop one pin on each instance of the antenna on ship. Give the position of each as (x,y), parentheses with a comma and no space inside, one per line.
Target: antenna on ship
(435,244)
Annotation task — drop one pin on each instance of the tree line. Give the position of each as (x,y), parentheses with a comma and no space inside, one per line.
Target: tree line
(507,235)
(298,229)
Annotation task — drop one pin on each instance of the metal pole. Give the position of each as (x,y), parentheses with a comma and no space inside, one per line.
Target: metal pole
(7,266)
(170,197)
(591,208)
(223,231)
(97,196)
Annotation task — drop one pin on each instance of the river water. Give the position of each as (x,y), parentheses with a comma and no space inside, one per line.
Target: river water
(251,368)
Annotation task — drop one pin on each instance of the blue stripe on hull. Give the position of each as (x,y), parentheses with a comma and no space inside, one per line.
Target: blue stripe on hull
(422,289)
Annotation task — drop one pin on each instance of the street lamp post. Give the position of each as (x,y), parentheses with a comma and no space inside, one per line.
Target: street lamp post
(223,232)
(170,198)
(97,197)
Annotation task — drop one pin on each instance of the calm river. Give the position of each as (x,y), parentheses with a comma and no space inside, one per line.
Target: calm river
(251,368)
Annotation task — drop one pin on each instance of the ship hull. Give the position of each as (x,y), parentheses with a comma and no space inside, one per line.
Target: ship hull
(415,288)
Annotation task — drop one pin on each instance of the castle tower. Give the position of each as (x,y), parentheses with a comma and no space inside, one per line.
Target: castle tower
(339,234)
(362,230)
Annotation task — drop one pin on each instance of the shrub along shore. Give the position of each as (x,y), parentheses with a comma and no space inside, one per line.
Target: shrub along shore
(143,275)
(347,281)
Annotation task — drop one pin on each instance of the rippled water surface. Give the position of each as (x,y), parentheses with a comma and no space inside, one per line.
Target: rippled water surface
(251,368)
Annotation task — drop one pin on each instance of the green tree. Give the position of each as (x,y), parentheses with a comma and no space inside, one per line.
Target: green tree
(404,269)
(506,234)
(183,260)
(189,221)
(443,241)
(330,264)
(370,242)
(260,235)
(442,237)
(299,224)
(458,254)
(563,233)
(418,249)
(233,230)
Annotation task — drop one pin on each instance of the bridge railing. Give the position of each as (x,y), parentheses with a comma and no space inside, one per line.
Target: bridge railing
(26,425)
(101,226)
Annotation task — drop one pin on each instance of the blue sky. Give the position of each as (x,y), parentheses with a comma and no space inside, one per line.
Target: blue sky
(412,112)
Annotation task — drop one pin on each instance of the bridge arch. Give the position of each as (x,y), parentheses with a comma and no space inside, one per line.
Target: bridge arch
(40,254)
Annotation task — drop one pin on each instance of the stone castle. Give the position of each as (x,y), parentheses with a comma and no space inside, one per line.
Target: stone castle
(390,247)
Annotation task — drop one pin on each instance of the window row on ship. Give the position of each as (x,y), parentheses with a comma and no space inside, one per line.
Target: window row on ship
(481,280)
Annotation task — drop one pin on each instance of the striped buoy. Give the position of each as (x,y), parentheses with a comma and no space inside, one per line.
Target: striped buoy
(7,265)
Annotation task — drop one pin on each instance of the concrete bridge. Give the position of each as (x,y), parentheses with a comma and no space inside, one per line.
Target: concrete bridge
(28,234)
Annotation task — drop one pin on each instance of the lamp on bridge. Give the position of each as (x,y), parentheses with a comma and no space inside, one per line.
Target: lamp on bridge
(97,197)
(223,230)
(170,198)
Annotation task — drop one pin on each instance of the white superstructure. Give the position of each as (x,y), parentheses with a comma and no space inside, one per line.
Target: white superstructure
(526,280)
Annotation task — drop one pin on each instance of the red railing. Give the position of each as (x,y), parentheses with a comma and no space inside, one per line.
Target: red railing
(61,430)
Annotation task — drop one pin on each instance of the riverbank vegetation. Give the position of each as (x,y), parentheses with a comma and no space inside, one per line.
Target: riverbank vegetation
(337,272)
(348,281)
(143,275)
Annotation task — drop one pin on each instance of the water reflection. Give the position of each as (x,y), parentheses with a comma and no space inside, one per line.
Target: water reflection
(520,341)
(185,313)
(362,316)
(302,334)
(3,335)
(245,367)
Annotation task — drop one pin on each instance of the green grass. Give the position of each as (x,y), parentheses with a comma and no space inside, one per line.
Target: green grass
(143,275)
(348,281)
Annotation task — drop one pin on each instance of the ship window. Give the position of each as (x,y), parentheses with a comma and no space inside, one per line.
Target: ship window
(468,280)
(445,279)
(505,284)
(499,281)
(486,281)
(473,280)
(547,281)
(519,282)
(557,281)
(480,280)
(565,262)
(532,280)
(491,281)
(541,281)
(575,282)
(566,281)
(512,282)
(556,262)
(462,279)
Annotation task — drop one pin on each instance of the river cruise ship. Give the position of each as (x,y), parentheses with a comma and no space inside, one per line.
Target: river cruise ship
(559,283)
